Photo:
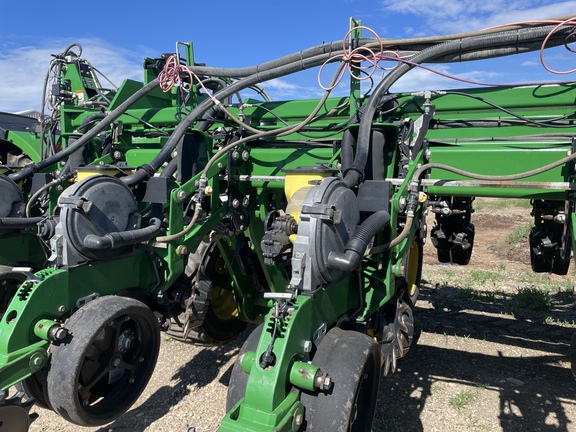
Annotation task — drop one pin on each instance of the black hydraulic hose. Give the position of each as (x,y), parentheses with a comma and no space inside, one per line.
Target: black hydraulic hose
(356,246)
(29,170)
(346,150)
(453,46)
(119,239)
(90,119)
(77,158)
(18,223)
(170,168)
(414,44)
(326,49)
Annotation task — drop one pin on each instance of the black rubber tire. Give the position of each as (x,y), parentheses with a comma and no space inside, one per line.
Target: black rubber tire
(560,267)
(459,256)
(83,384)
(239,378)
(35,387)
(539,263)
(462,257)
(352,360)
(443,255)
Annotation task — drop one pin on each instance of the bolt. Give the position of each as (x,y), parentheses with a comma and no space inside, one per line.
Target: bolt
(60,334)
(36,361)
(235,155)
(117,155)
(235,203)
(181,195)
(219,165)
(322,381)
(116,361)
(245,155)
(131,380)
(86,402)
(61,308)
(298,419)
(182,250)
(246,201)
(141,359)
(402,202)
(242,227)
(307,346)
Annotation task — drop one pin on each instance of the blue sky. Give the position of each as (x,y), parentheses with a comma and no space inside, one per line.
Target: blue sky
(116,36)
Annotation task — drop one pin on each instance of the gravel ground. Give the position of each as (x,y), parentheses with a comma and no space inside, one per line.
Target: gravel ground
(475,366)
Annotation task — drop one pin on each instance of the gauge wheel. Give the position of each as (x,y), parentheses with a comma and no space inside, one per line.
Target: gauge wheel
(99,371)
(239,378)
(352,361)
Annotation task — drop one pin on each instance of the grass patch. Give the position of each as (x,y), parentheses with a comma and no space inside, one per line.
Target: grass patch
(464,398)
(534,299)
(501,203)
(478,295)
(518,234)
(529,299)
(482,276)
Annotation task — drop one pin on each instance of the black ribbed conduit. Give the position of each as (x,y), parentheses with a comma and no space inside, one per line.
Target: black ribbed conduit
(354,250)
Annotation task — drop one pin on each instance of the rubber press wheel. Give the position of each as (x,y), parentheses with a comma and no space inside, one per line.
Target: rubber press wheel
(352,361)
(102,368)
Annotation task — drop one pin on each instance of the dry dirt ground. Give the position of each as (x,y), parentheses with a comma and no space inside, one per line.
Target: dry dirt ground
(491,352)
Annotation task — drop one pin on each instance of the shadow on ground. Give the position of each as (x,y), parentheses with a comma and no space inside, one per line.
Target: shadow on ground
(535,392)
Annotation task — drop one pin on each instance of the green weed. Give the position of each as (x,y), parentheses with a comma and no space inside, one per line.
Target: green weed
(463,399)
(518,234)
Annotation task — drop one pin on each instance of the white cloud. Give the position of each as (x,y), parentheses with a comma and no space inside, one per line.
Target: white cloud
(449,16)
(419,79)
(283,89)
(23,68)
